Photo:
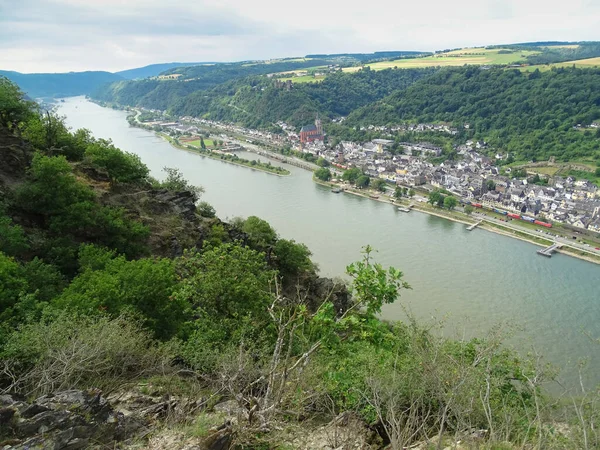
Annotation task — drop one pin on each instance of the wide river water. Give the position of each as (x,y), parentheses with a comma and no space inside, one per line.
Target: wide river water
(472,280)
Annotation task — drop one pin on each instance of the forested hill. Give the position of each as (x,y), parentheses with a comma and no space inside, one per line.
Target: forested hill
(60,84)
(162,94)
(152,70)
(259,102)
(531,114)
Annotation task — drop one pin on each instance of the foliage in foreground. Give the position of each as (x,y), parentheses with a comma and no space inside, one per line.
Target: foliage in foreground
(81,307)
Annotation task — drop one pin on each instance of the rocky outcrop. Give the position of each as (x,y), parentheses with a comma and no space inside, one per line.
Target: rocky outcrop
(315,290)
(64,420)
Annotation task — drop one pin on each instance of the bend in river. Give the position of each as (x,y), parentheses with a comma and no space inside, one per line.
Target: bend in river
(477,279)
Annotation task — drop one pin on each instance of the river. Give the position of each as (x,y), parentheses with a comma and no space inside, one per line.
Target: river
(472,280)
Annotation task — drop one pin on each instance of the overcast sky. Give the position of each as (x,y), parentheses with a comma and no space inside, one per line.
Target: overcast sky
(77,35)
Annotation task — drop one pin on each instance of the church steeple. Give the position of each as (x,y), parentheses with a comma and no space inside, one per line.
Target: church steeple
(319,125)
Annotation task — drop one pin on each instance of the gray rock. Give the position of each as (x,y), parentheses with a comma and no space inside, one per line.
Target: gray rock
(32,410)
(6,415)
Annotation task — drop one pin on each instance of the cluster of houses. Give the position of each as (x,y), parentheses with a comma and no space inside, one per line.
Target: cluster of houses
(474,176)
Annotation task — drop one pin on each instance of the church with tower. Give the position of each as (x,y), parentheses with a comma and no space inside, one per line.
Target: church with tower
(311,133)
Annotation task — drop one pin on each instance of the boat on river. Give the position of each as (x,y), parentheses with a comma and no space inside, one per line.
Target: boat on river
(336,190)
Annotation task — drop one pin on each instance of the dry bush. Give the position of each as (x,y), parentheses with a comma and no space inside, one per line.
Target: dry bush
(80,352)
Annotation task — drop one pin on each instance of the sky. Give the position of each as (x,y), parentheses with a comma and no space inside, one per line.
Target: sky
(113,35)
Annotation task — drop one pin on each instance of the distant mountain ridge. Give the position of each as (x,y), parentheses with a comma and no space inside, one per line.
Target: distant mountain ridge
(70,84)
(153,70)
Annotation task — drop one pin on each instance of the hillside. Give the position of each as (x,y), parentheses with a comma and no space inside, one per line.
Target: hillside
(530,114)
(152,70)
(259,102)
(57,85)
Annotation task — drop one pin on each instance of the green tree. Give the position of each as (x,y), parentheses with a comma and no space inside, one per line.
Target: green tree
(374,286)
(351,175)
(225,283)
(469,209)
(14,110)
(323,174)
(260,234)
(434,197)
(144,287)
(411,193)
(363,181)
(450,202)
(398,192)
(12,237)
(598,168)
(121,166)
(491,186)
(202,144)
(322,162)
(441,200)
(379,184)
(12,282)
(177,183)
(205,209)
(292,258)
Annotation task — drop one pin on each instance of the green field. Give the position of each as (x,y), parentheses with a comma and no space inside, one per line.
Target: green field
(475,56)
(581,63)
(304,79)
(196,143)
(546,170)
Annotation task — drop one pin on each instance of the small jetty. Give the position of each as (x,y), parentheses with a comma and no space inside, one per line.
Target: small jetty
(549,251)
(475,225)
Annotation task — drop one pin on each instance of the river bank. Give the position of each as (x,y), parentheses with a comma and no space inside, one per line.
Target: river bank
(224,157)
(458,217)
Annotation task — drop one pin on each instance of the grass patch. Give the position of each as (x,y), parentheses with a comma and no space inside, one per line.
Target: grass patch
(304,79)
(471,56)
(203,424)
(549,170)
(196,143)
(580,63)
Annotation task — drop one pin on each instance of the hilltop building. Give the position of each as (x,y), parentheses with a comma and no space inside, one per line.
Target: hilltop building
(311,133)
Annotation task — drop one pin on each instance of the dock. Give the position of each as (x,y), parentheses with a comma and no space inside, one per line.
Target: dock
(548,251)
(475,225)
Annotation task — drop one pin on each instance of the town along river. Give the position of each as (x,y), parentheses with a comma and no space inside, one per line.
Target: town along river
(473,280)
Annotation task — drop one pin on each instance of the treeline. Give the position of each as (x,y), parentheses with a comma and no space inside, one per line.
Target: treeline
(532,115)
(256,101)
(162,94)
(89,299)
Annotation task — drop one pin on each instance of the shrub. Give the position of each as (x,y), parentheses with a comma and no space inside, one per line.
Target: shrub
(12,283)
(121,166)
(80,352)
(176,182)
(143,286)
(260,234)
(206,210)
(12,237)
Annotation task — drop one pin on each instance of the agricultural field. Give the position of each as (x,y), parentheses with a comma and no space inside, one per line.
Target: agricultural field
(581,63)
(475,56)
(196,143)
(304,79)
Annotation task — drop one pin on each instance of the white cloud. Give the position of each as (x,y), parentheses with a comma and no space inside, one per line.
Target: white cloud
(65,35)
